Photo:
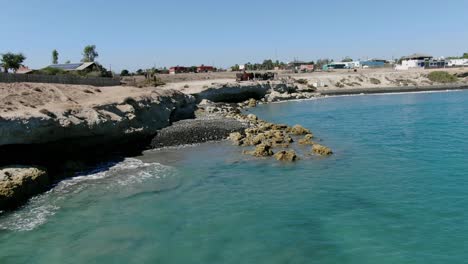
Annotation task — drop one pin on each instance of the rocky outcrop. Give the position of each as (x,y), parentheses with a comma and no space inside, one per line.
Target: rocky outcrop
(265,137)
(262,150)
(241,91)
(234,92)
(252,103)
(284,155)
(141,115)
(322,150)
(278,96)
(307,140)
(299,130)
(18,183)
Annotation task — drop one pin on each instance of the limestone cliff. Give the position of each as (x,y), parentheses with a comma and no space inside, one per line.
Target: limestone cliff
(79,112)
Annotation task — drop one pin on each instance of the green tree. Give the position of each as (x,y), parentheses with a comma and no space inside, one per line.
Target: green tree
(12,61)
(465,55)
(139,72)
(347,59)
(235,67)
(267,65)
(124,73)
(55,56)
(67,62)
(90,53)
(321,62)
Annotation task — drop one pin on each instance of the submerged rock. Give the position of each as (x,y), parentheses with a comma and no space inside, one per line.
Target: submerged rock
(18,183)
(307,140)
(322,150)
(286,156)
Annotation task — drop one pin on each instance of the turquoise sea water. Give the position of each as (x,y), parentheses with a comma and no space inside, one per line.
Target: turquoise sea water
(396,191)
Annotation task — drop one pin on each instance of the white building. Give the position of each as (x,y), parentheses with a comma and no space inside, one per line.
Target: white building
(413,61)
(458,63)
(353,64)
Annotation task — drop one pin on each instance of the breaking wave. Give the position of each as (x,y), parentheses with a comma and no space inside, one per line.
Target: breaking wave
(126,178)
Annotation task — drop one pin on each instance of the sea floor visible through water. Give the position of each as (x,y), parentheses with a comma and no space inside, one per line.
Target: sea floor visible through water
(393,192)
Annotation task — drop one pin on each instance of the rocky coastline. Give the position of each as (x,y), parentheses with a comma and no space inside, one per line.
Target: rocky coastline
(44,142)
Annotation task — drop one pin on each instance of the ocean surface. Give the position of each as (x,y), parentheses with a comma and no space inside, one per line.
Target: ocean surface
(396,191)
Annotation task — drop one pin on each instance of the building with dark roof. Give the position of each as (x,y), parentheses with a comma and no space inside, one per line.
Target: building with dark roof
(417,56)
(417,60)
(24,70)
(74,66)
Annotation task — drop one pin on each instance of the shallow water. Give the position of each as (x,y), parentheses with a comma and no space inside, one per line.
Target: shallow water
(394,192)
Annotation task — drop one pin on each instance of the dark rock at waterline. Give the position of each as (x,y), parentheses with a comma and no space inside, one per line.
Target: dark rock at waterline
(196,131)
(234,93)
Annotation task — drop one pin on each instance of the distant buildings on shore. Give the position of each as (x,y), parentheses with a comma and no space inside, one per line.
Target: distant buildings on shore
(457,63)
(416,60)
(373,63)
(426,61)
(301,66)
(194,69)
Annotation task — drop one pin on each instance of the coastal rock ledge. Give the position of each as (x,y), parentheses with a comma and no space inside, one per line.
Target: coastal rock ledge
(37,114)
(18,183)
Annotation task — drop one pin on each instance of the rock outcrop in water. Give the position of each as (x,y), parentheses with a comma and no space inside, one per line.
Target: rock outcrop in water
(307,140)
(18,183)
(265,137)
(286,155)
(299,130)
(322,150)
(264,149)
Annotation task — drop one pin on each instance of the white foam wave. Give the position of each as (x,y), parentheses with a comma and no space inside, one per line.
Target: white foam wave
(130,172)
(367,94)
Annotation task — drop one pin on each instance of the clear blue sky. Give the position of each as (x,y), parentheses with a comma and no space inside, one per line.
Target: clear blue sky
(141,34)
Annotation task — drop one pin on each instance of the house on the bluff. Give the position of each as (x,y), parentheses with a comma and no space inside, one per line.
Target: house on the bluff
(82,66)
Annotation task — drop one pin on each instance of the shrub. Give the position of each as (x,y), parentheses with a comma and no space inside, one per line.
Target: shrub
(375,81)
(154,82)
(339,85)
(51,71)
(302,81)
(441,77)
(462,75)
(124,73)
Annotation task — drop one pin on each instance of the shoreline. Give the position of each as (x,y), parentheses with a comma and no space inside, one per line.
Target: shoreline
(396,89)
(63,158)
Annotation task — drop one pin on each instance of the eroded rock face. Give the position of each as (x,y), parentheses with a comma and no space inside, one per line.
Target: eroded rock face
(234,92)
(18,183)
(322,150)
(284,155)
(140,115)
